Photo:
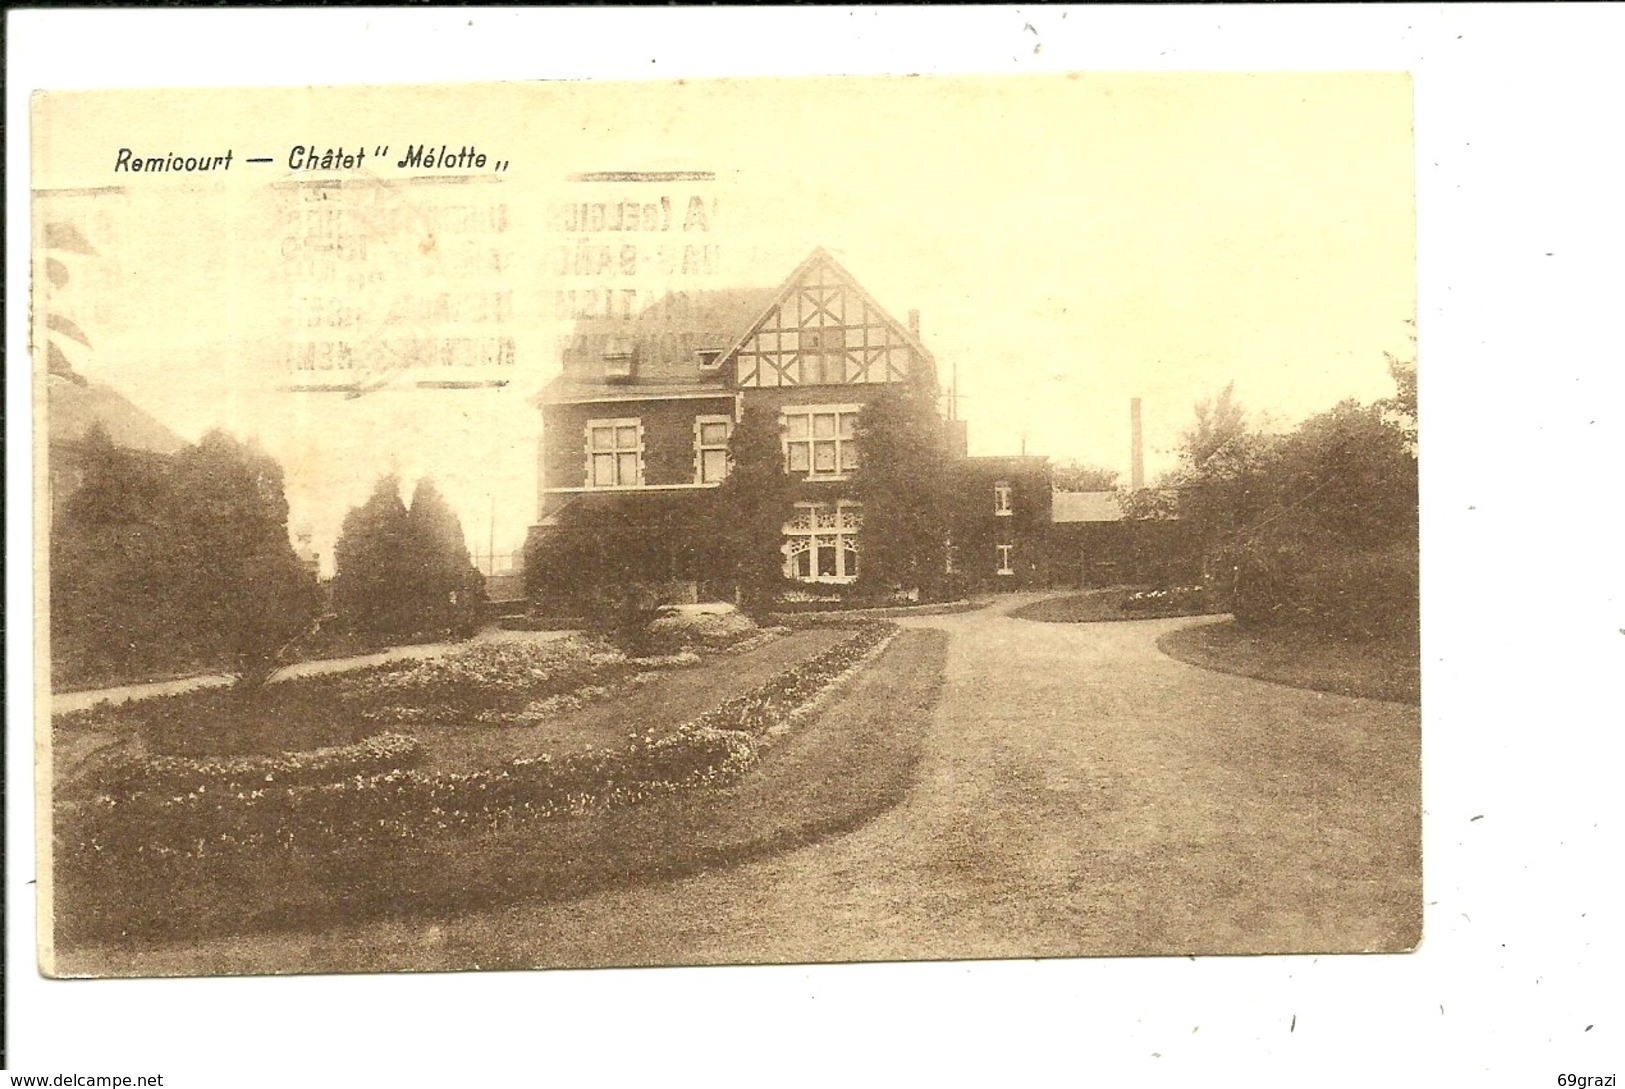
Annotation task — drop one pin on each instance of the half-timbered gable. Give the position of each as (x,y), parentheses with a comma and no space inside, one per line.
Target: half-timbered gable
(823,329)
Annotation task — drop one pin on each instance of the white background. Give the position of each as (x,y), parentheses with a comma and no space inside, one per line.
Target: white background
(1519,187)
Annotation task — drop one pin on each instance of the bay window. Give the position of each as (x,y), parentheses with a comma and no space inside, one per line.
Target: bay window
(821,542)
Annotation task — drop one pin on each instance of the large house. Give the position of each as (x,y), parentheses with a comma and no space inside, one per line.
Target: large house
(636,445)
(637,426)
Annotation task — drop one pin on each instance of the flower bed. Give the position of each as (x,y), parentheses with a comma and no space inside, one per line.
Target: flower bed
(250,817)
(171,776)
(481,681)
(1178,600)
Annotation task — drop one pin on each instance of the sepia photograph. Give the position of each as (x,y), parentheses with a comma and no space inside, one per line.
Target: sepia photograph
(728,522)
(812,545)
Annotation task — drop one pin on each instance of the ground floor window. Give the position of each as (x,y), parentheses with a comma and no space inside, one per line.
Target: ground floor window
(821,542)
(1004,559)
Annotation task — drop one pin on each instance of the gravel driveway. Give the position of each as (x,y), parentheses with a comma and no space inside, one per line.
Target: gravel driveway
(1082,794)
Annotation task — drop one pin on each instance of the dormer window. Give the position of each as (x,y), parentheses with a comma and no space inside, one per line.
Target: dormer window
(620,357)
(710,359)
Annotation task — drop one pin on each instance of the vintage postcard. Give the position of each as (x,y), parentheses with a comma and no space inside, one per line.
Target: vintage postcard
(530,525)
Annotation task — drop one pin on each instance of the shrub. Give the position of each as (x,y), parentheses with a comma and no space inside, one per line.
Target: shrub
(1361,593)
(673,632)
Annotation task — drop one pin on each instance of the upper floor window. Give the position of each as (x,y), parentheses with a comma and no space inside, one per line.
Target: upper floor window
(823,355)
(711,449)
(614,453)
(821,440)
(1001,497)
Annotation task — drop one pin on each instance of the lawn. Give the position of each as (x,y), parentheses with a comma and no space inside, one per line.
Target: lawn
(1382,669)
(847,759)
(1098,606)
(70,675)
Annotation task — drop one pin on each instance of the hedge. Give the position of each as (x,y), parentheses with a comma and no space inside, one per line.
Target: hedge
(1361,593)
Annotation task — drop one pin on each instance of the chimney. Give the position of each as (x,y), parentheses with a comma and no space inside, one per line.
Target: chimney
(1136,471)
(914,323)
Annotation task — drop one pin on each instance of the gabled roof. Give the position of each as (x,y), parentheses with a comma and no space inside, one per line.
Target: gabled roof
(74,408)
(731,317)
(662,367)
(794,280)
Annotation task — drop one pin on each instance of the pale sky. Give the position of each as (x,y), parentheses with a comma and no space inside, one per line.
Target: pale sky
(1070,243)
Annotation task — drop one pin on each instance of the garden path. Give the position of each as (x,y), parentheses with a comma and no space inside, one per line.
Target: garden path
(64,702)
(1080,794)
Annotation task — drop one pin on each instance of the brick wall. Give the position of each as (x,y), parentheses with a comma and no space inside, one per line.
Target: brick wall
(668,437)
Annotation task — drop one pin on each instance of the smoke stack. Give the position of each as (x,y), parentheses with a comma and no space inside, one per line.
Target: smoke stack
(1136,470)
(914,323)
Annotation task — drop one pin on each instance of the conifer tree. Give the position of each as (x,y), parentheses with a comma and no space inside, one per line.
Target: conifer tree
(371,589)
(903,484)
(449,589)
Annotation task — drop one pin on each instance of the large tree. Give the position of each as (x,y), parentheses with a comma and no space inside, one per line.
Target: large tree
(904,485)
(1220,479)
(405,572)
(1075,476)
(371,591)
(751,508)
(162,563)
(449,588)
(1317,526)
(241,574)
(114,612)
